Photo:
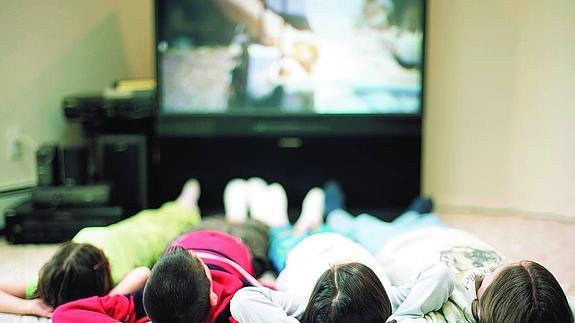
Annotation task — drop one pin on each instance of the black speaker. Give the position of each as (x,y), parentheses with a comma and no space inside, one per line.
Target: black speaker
(74,165)
(122,161)
(48,164)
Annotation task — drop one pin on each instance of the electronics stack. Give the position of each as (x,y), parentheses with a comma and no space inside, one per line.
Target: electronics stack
(97,184)
(65,200)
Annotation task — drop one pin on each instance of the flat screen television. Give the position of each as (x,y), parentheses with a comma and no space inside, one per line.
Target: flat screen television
(289,67)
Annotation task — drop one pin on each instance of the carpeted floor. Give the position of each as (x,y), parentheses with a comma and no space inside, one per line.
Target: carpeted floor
(548,242)
(545,241)
(22,262)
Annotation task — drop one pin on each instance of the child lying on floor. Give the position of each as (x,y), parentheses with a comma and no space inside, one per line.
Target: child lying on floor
(102,260)
(326,277)
(488,287)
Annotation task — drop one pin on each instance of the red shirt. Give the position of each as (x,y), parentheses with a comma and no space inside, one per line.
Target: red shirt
(226,280)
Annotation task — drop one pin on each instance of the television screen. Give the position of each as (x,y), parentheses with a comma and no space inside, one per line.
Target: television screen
(290,57)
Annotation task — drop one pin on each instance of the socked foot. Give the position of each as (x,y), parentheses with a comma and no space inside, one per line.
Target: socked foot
(312,210)
(235,201)
(256,197)
(278,205)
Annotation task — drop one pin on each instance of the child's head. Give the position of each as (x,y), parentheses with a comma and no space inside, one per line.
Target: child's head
(349,292)
(522,292)
(77,270)
(179,289)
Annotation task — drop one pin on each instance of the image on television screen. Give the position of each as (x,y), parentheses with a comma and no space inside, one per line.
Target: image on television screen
(290,56)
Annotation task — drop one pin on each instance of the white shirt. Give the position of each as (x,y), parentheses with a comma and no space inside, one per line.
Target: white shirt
(466,257)
(427,291)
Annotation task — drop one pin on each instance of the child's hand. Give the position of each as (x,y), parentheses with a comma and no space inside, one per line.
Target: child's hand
(38,307)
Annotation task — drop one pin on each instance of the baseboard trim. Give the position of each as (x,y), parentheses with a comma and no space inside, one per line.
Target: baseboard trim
(8,190)
(493,211)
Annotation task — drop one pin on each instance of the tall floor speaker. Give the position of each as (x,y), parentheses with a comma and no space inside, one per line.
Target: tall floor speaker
(121,160)
(74,165)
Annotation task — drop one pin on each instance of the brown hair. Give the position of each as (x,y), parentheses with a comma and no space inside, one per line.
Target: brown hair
(77,270)
(524,293)
(349,292)
(178,289)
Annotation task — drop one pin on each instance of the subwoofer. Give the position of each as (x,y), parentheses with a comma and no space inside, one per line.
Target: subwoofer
(74,165)
(121,160)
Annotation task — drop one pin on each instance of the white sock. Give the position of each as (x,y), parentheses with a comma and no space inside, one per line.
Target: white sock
(190,194)
(312,209)
(256,197)
(275,214)
(235,201)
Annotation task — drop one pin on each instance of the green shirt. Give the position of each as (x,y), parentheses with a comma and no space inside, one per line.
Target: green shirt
(137,241)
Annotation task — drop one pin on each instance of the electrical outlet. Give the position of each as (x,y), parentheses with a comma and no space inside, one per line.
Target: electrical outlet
(13,143)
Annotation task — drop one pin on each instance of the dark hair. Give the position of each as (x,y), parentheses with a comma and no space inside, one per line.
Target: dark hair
(77,270)
(349,292)
(525,292)
(178,289)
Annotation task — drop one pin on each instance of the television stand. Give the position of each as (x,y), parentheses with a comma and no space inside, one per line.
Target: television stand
(378,174)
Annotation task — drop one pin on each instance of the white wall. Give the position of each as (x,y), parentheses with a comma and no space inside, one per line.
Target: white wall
(53,48)
(500,127)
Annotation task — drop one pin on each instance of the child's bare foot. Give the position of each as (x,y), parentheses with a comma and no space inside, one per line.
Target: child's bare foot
(190,194)
(312,209)
(235,201)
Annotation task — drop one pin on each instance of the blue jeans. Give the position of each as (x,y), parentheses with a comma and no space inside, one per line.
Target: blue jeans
(371,232)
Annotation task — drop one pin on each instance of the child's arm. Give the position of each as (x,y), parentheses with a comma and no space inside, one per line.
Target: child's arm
(427,293)
(261,304)
(132,282)
(12,300)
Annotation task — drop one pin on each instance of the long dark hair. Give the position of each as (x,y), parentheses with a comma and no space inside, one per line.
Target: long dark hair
(524,293)
(77,270)
(349,292)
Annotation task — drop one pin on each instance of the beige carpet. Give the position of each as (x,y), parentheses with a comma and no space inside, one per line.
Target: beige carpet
(22,262)
(548,242)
